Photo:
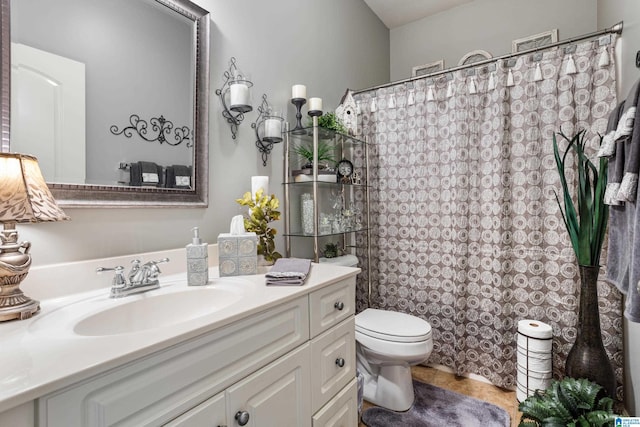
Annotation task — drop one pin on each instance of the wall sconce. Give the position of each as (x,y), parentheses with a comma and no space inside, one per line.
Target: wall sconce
(236,88)
(269,123)
(25,197)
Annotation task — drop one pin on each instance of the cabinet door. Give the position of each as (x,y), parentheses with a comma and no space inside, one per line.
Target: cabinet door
(275,396)
(210,413)
(333,357)
(341,411)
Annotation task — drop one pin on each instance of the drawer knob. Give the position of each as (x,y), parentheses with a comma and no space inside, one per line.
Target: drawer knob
(339,305)
(340,362)
(242,417)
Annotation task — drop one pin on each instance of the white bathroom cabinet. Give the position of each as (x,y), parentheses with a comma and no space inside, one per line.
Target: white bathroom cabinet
(290,365)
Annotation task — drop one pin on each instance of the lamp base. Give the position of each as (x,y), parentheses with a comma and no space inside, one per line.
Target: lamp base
(14,267)
(21,312)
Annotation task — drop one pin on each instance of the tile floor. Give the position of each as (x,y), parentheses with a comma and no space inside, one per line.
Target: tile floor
(506,399)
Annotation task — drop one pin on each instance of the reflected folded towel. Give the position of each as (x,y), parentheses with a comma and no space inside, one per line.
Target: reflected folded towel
(178,176)
(289,272)
(146,174)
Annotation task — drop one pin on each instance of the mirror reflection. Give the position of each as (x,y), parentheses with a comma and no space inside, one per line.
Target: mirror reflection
(102,92)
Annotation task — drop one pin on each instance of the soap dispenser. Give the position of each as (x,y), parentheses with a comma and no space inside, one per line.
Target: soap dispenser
(197,261)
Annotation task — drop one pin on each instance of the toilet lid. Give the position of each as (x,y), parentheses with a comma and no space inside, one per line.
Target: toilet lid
(392,326)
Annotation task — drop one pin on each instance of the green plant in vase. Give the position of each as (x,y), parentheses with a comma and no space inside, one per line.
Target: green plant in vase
(262,211)
(325,154)
(569,402)
(586,225)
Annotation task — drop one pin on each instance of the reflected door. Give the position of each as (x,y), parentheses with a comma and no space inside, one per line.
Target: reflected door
(48,112)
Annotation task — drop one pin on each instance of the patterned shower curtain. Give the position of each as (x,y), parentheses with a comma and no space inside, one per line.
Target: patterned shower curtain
(467,231)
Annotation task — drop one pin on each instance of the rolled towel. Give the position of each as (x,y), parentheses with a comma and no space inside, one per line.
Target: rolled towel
(289,272)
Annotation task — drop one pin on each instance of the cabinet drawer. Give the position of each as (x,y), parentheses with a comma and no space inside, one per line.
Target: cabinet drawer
(275,396)
(211,412)
(331,305)
(160,387)
(333,357)
(341,411)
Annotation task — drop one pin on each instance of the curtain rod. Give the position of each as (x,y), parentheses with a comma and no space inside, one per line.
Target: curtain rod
(617,28)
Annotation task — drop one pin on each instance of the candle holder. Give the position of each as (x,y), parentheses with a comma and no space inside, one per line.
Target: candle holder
(315,113)
(298,102)
(270,121)
(236,87)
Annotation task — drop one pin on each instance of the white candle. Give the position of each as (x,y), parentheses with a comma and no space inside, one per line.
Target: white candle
(315,104)
(258,182)
(239,94)
(272,128)
(299,91)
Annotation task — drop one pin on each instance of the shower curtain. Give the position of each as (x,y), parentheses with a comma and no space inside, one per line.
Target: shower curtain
(468,234)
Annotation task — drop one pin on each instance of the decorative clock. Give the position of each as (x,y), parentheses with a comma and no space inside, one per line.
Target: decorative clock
(344,170)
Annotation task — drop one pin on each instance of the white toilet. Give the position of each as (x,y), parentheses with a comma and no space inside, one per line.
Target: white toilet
(388,343)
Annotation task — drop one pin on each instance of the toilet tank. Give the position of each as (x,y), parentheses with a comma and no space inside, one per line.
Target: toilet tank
(344,260)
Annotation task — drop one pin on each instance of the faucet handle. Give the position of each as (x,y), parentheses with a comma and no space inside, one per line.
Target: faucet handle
(118,279)
(152,268)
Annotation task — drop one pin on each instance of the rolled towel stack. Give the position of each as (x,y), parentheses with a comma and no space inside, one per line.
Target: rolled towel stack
(288,272)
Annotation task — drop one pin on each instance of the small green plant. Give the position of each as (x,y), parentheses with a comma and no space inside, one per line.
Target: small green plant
(263,210)
(329,120)
(588,224)
(330,250)
(570,402)
(325,153)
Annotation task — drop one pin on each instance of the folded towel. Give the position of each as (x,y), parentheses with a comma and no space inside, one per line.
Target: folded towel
(178,176)
(150,173)
(135,174)
(289,272)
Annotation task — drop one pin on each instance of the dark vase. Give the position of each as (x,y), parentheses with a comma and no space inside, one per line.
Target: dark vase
(588,358)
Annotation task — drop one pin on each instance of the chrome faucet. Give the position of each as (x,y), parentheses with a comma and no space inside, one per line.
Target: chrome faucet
(141,278)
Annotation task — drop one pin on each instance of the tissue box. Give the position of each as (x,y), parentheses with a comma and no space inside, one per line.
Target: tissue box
(237,254)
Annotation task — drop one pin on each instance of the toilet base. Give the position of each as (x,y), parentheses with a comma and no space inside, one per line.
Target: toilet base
(390,386)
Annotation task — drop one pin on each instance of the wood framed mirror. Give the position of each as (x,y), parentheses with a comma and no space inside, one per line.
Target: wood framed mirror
(154,93)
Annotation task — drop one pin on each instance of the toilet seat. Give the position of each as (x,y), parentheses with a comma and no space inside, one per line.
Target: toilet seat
(392,326)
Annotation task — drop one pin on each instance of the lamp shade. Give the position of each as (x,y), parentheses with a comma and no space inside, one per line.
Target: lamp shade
(24,195)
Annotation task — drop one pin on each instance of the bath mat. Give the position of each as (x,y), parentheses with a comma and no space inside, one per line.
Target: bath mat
(437,407)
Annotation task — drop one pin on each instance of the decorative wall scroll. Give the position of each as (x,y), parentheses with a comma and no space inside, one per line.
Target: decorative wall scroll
(161,130)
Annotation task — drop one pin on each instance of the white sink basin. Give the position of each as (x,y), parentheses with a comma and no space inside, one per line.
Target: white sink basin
(96,315)
(156,311)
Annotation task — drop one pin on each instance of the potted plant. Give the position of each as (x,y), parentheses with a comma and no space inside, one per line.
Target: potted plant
(586,225)
(330,121)
(262,211)
(569,402)
(331,250)
(325,161)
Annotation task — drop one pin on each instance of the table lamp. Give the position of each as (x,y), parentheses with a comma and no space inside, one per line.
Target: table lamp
(24,197)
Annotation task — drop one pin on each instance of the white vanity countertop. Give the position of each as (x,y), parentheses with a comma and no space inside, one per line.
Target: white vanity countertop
(43,354)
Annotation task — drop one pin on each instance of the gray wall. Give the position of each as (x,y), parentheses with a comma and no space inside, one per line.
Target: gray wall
(329,46)
(489,25)
(609,13)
